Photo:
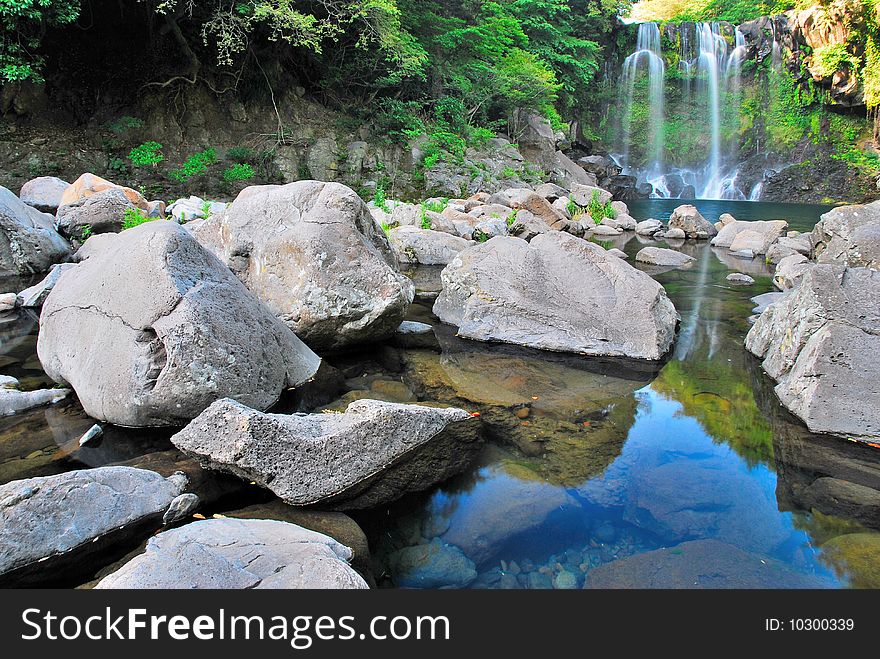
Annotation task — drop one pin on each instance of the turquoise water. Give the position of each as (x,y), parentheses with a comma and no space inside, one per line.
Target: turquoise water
(596,473)
(693,475)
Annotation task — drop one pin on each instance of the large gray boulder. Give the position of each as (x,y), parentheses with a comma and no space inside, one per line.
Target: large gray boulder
(688,219)
(664,257)
(28,241)
(43,193)
(238,554)
(424,246)
(757,236)
(821,344)
(102,212)
(532,294)
(372,453)
(312,252)
(153,328)
(849,235)
(51,521)
(790,270)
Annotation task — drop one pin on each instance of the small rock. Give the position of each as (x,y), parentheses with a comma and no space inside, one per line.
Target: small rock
(13,401)
(91,435)
(565,580)
(619,253)
(7,301)
(740,279)
(180,508)
(675,233)
(664,257)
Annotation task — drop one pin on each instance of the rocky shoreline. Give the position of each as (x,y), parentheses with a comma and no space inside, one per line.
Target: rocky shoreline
(201,321)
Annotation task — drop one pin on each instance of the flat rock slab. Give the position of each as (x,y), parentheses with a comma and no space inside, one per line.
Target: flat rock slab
(425,246)
(664,257)
(59,519)
(526,293)
(238,554)
(699,564)
(757,236)
(372,453)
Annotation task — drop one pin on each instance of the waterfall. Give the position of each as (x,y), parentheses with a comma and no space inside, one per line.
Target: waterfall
(709,75)
(646,55)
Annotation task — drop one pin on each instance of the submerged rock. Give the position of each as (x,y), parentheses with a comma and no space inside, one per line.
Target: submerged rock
(849,235)
(432,565)
(822,345)
(688,219)
(28,241)
(52,521)
(512,291)
(238,553)
(177,331)
(311,251)
(699,564)
(371,454)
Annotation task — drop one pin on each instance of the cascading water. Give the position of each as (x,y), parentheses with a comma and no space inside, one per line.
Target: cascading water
(709,79)
(647,56)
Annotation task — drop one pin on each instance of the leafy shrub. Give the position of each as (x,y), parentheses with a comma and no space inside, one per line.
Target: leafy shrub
(125,124)
(399,120)
(599,211)
(238,172)
(148,153)
(511,219)
(479,136)
(436,206)
(134,217)
(85,232)
(241,154)
(379,196)
(196,165)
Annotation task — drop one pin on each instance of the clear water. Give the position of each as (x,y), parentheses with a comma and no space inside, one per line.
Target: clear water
(595,472)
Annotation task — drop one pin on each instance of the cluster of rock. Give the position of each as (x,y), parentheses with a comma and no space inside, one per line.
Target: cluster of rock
(820,339)
(420,234)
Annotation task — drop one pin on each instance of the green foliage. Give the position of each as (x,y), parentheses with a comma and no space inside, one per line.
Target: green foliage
(598,210)
(386,227)
(148,153)
(436,206)
(85,232)
(238,172)
(242,154)
(508,172)
(22,26)
(124,124)
(379,197)
(833,57)
(135,217)
(511,219)
(196,165)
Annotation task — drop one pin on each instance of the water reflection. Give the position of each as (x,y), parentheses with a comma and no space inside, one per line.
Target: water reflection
(685,486)
(598,473)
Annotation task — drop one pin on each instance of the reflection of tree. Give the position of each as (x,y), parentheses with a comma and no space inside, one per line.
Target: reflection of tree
(719,395)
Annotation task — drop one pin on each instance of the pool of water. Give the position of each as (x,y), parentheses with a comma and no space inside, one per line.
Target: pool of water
(596,473)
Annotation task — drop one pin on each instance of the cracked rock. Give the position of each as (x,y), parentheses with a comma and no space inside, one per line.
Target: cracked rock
(371,454)
(312,252)
(57,522)
(237,554)
(153,328)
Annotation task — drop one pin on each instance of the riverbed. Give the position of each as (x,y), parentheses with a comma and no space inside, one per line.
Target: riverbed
(597,473)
